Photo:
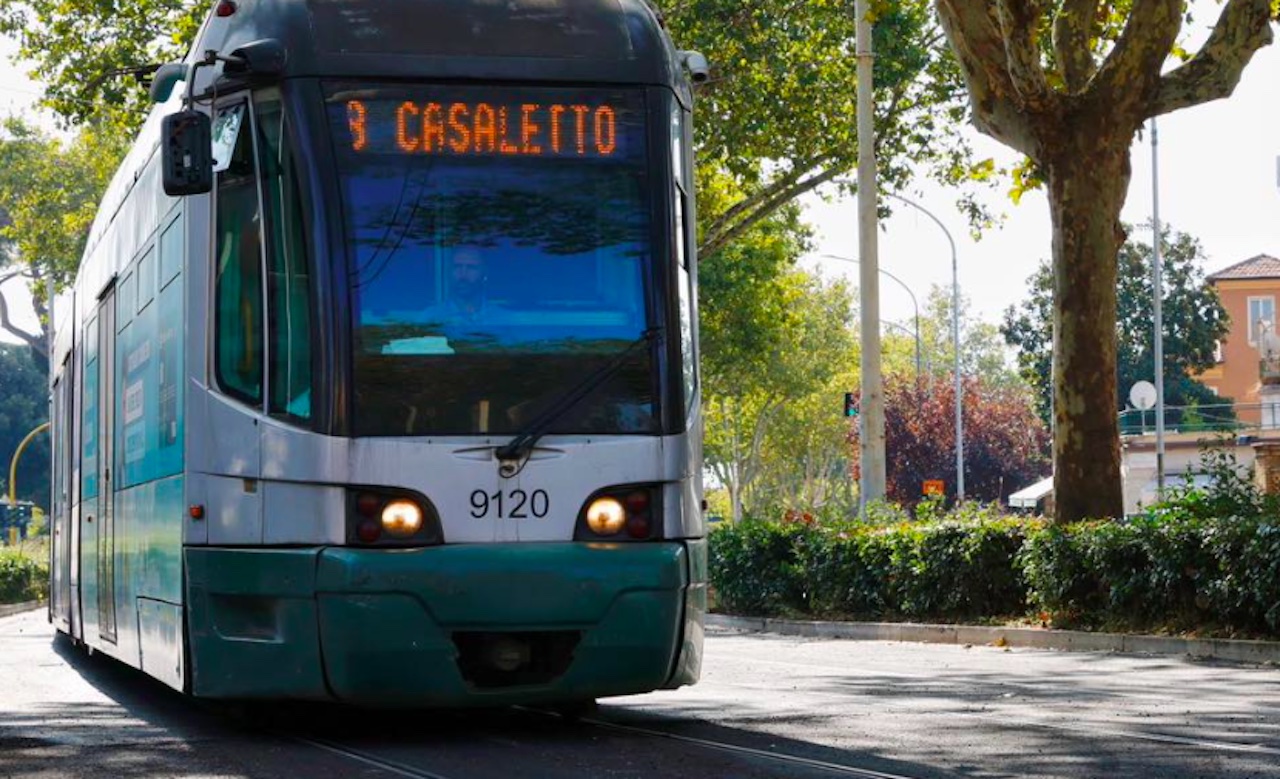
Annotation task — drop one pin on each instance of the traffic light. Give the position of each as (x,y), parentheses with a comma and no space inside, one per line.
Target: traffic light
(850,405)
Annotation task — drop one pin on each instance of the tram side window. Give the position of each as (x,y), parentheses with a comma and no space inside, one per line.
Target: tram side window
(288,274)
(238,300)
(685,277)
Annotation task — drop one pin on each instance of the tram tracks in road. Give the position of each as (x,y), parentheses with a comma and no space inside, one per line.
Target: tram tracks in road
(778,757)
(369,757)
(361,756)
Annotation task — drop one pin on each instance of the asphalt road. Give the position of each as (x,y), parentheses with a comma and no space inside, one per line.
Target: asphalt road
(767,707)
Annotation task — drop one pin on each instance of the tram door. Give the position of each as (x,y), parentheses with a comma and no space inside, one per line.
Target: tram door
(61,508)
(106,461)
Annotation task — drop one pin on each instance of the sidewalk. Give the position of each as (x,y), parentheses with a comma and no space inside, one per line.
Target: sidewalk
(1038,638)
(17,608)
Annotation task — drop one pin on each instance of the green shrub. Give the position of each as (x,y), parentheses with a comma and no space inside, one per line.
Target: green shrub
(1162,569)
(946,569)
(21,577)
(1170,569)
(755,567)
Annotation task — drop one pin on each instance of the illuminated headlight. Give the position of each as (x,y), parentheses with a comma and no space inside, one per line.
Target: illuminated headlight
(606,516)
(402,518)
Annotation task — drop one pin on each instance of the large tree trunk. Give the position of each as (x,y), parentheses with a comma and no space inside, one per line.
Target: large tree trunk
(1088,179)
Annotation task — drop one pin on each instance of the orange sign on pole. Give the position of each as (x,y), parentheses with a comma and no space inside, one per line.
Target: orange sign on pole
(935,487)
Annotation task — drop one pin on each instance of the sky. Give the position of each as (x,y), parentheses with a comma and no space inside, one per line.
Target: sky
(1219,181)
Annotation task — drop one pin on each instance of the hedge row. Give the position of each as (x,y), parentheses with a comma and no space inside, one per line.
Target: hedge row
(21,577)
(1180,571)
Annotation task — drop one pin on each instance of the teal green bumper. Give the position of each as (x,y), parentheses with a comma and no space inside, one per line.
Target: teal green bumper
(421,627)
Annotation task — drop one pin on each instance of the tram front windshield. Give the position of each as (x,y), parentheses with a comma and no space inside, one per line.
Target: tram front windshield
(499,254)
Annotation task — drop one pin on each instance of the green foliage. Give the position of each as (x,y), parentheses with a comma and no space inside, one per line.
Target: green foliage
(773,338)
(1171,569)
(1194,322)
(777,115)
(983,353)
(22,578)
(958,567)
(755,567)
(1163,569)
(49,194)
(79,48)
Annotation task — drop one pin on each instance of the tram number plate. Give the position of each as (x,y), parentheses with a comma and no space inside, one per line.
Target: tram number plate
(512,504)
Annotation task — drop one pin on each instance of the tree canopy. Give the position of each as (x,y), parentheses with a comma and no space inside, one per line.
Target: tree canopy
(1069,83)
(778,112)
(49,193)
(1194,323)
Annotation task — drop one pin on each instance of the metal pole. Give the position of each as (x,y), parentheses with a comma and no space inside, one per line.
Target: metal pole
(13,464)
(871,443)
(955,340)
(1157,294)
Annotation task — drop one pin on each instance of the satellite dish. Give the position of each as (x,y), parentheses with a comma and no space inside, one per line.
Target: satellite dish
(1143,395)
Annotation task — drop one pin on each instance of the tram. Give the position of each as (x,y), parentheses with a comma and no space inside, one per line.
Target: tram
(378,382)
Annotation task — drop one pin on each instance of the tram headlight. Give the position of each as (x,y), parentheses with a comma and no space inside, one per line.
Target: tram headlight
(391,517)
(606,516)
(401,518)
(621,513)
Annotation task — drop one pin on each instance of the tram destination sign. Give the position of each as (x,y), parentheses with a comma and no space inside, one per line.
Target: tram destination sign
(480,122)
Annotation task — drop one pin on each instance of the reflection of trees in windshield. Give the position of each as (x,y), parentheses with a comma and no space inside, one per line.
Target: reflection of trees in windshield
(478,393)
(560,213)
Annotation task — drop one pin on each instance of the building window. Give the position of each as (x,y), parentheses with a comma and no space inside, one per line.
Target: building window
(1262,312)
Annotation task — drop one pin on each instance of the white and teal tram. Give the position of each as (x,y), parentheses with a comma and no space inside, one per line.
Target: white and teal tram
(378,381)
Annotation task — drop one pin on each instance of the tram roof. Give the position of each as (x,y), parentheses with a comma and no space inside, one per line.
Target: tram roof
(612,41)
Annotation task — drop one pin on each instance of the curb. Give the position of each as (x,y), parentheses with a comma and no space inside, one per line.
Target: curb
(1233,650)
(17,608)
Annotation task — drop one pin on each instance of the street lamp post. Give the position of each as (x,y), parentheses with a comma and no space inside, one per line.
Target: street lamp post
(955,340)
(901,283)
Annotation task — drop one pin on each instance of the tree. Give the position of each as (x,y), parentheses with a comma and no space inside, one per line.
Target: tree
(803,348)
(1004,442)
(49,193)
(1069,84)
(24,394)
(1194,323)
(83,51)
(770,333)
(777,113)
(983,352)
(805,457)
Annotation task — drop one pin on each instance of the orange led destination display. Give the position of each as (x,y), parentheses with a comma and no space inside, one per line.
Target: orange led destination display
(478,128)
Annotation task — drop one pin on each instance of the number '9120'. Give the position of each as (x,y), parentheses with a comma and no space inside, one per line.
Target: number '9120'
(515,504)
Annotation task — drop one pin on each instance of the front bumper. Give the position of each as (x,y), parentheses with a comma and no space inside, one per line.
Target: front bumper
(433,627)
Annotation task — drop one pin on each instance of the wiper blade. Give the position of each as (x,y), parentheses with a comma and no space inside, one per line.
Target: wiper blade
(522,444)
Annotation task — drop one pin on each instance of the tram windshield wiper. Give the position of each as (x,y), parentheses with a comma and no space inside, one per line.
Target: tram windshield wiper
(523,443)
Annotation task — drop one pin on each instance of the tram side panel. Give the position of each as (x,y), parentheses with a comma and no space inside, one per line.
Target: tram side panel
(131,432)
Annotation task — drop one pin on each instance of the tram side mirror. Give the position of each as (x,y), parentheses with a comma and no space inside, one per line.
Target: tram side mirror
(165,79)
(187,153)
